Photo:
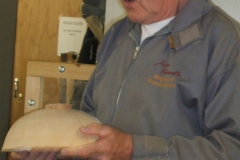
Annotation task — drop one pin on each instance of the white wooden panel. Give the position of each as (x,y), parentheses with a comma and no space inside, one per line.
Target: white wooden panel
(34,89)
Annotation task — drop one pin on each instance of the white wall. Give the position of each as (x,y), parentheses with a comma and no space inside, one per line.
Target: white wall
(115,11)
(232,7)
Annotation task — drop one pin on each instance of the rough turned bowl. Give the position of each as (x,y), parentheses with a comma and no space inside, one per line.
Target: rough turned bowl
(49,128)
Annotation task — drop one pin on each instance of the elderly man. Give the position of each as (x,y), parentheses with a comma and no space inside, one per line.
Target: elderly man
(167,85)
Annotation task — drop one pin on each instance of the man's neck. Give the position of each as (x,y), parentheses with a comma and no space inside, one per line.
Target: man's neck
(182,3)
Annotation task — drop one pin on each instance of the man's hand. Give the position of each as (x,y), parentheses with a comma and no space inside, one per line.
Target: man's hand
(37,154)
(112,144)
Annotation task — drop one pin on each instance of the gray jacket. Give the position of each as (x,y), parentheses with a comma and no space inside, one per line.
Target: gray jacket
(178,93)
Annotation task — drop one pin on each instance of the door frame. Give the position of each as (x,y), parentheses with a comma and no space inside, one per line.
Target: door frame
(8,14)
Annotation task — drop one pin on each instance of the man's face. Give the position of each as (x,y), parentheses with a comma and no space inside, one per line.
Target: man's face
(150,11)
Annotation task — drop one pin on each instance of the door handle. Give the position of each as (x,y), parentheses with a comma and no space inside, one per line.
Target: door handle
(17,95)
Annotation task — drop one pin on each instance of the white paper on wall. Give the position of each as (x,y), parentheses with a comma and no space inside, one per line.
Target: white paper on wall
(70,35)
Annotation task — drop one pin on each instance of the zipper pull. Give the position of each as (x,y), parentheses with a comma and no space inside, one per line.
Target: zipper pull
(136,52)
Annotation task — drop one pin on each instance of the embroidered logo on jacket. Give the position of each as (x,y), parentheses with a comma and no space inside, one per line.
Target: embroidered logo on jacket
(166,78)
(165,70)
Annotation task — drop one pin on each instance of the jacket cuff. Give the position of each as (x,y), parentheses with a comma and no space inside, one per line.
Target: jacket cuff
(149,147)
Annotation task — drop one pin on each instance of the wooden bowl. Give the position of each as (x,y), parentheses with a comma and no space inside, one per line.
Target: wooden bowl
(49,128)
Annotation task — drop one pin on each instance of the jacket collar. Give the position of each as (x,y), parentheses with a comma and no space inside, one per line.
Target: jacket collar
(192,12)
(186,27)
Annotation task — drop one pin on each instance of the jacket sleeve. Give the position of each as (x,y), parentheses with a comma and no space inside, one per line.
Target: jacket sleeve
(86,102)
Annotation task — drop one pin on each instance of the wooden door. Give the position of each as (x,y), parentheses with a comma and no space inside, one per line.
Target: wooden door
(36,39)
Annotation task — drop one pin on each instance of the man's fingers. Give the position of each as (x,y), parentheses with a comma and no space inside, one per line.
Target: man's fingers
(32,155)
(112,144)
(37,154)
(54,154)
(48,154)
(19,155)
(95,129)
(72,151)
(92,128)
(80,151)
(42,155)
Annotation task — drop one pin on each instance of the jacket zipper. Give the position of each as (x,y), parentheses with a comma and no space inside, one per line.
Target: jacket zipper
(134,57)
(136,52)
(120,91)
(137,49)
